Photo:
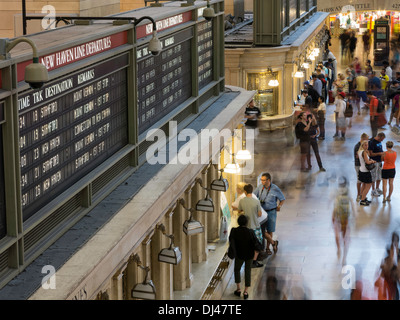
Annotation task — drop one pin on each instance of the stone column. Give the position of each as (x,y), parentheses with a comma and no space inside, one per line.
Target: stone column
(182,271)
(161,270)
(117,284)
(199,241)
(213,218)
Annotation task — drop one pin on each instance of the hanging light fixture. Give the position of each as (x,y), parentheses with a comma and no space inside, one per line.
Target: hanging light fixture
(220,184)
(243,155)
(232,167)
(205,204)
(191,226)
(273,83)
(145,290)
(172,255)
(299,73)
(306,65)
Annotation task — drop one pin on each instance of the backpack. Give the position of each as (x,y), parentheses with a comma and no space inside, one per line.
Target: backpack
(348,112)
(381,106)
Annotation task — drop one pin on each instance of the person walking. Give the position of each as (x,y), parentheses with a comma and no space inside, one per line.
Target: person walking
(388,170)
(301,130)
(271,199)
(366,38)
(343,205)
(361,85)
(321,112)
(251,208)
(364,174)
(352,44)
(313,132)
(357,164)
(375,149)
(373,112)
(245,244)
(340,117)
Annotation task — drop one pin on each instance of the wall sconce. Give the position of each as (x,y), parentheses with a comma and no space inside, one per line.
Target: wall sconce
(299,73)
(232,167)
(205,204)
(306,65)
(145,290)
(220,184)
(172,255)
(35,73)
(191,226)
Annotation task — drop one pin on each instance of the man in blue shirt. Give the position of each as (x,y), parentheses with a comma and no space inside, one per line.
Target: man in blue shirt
(269,194)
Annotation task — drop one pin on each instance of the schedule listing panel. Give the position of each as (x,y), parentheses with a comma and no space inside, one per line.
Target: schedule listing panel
(164,81)
(68,128)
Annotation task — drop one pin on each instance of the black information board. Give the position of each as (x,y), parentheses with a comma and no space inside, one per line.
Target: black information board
(68,128)
(3,228)
(205,51)
(164,81)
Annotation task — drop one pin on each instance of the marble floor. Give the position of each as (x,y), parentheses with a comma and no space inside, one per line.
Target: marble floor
(307,265)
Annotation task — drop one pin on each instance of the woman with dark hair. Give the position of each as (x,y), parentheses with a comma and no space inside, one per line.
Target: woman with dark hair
(302,134)
(245,243)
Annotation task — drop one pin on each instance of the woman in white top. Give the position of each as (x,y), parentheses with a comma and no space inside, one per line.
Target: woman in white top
(321,111)
(364,175)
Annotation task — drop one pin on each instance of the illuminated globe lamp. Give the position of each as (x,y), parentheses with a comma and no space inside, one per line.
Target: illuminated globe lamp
(273,83)
(243,155)
(299,74)
(233,168)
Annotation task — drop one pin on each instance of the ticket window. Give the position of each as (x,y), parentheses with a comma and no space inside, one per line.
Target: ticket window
(266,98)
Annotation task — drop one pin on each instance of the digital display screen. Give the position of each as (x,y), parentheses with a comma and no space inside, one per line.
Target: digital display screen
(68,128)
(205,51)
(164,81)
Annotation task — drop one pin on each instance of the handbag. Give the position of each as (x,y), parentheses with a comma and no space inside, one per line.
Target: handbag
(370,166)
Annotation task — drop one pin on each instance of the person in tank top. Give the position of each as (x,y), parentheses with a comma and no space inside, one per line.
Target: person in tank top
(388,170)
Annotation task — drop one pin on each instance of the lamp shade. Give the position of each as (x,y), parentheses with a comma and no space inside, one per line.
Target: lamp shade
(243,155)
(220,185)
(191,227)
(273,83)
(232,168)
(299,74)
(205,205)
(170,255)
(145,290)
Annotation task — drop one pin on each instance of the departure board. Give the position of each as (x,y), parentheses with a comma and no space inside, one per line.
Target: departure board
(69,127)
(3,229)
(164,81)
(205,51)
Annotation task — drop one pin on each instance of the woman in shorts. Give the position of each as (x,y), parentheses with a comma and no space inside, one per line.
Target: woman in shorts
(364,175)
(388,169)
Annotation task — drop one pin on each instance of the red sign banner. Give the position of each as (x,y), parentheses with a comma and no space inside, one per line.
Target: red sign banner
(70,55)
